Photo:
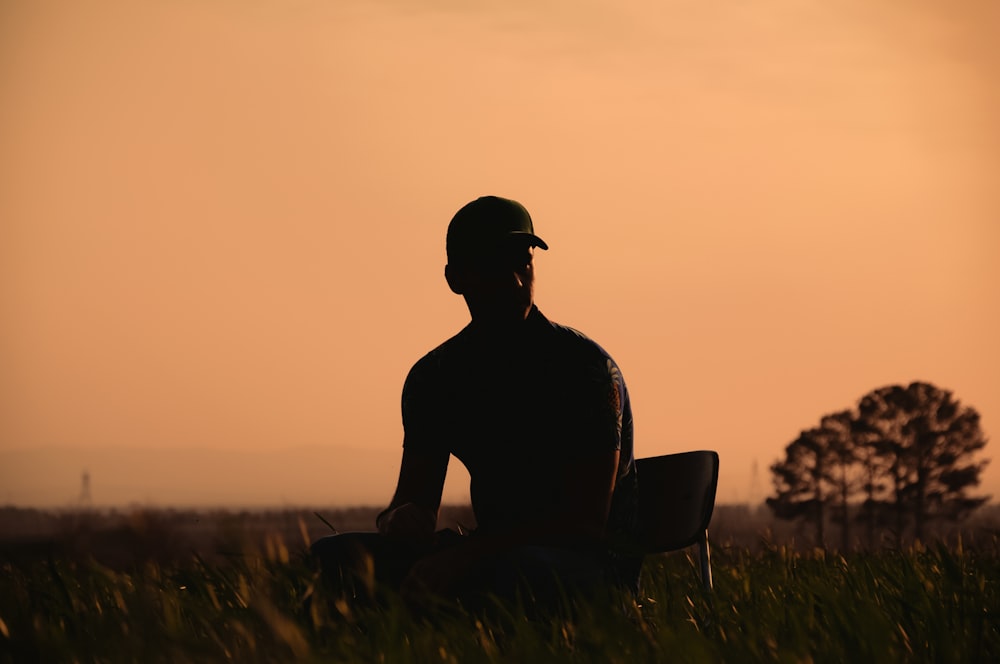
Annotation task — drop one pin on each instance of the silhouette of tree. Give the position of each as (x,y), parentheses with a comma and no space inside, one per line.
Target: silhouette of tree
(838,431)
(872,510)
(815,481)
(922,441)
(908,451)
(799,485)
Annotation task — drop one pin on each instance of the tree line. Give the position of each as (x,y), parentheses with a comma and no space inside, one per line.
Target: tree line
(904,457)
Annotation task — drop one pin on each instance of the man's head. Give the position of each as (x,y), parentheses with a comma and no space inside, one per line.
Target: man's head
(485,226)
(490,247)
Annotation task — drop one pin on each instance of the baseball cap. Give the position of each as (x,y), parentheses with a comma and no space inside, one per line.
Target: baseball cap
(482,226)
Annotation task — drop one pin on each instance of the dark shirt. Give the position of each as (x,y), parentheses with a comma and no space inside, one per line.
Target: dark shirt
(516,407)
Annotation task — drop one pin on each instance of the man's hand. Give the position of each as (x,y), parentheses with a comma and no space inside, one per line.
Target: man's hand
(417,499)
(408,521)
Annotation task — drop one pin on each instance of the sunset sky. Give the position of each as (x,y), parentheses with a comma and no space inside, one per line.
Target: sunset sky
(222,223)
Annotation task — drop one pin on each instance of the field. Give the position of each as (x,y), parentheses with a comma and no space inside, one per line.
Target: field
(178,587)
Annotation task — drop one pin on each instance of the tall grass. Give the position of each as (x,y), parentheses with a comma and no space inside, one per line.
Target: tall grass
(933,604)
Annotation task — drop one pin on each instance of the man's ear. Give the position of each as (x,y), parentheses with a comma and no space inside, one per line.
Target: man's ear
(455,278)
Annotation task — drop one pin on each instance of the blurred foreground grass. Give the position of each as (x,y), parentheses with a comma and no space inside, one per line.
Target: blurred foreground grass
(933,604)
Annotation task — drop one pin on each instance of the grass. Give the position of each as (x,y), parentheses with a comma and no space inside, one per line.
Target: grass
(933,604)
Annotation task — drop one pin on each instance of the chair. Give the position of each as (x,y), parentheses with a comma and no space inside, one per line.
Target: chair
(676,499)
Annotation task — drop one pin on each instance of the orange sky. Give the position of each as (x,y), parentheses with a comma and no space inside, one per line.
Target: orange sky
(222,223)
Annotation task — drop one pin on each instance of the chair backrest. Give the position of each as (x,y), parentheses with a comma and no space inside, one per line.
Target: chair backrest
(676,498)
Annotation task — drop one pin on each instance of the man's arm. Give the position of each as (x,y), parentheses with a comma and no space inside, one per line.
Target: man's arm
(413,512)
(585,489)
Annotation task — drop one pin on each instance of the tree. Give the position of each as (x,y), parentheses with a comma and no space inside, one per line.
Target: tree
(815,482)
(838,431)
(871,511)
(798,483)
(923,442)
(908,452)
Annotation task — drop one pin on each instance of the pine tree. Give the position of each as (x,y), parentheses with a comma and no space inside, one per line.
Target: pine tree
(910,452)
(923,441)
(842,474)
(800,482)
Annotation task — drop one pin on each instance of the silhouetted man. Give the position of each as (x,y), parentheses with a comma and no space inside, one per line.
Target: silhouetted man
(538,414)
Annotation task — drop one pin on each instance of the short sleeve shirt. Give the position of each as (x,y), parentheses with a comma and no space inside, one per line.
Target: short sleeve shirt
(514,408)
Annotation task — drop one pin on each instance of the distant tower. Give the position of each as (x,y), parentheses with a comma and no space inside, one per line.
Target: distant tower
(753,496)
(85,499)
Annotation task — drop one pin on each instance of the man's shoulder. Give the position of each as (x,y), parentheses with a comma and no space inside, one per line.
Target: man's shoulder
(433,359)
(572,340)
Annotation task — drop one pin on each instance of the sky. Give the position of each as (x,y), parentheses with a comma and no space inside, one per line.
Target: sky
(222,224)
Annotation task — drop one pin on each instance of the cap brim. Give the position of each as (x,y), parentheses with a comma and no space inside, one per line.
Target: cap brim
(535,240)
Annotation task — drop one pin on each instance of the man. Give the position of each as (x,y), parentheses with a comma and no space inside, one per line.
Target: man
(539,415)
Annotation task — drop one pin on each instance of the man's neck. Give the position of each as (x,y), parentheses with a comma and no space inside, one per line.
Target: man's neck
(500,325)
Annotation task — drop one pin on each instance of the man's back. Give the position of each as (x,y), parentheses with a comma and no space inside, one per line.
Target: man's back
(518,408)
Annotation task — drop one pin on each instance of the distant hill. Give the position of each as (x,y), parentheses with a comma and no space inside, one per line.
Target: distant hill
(188,476)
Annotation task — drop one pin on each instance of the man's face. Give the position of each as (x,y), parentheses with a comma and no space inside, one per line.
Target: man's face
(499,287)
